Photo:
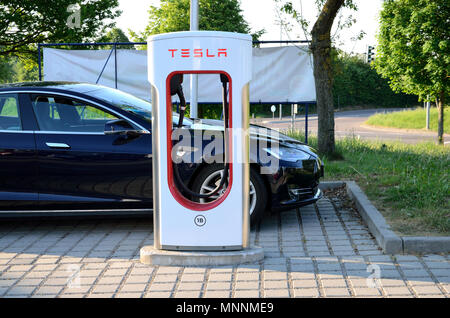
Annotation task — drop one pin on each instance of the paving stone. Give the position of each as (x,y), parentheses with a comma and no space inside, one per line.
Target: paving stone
(57,281)
(333,283)
(217,294)
(362,292)
(68,295)
(147,271)
(128,295)
(194,270)
(440,272)
(183,286)
(306,292)
(269,275)
(358,282)
(276,293)
(158,294)
(158,287)
(20,291)
(137,279)
(248,268)
(49,290)
(12,275)
(243,285)
(329,267)
(102,289)
(247,276)
(220,277)
(275,284)
(336,292)
(46,267)
(188,294)
(30,282)
(302,267)
(192,277)
(218,286)
(115,272)
(413,273)
(20,268)
(427,290)
(90,272)
(90,266)
(110,280)
(168,270)
(165,278)
(396,291)
(304,283)
(78,288)
(246,294)
(438,265)
(127,288)
(392,282)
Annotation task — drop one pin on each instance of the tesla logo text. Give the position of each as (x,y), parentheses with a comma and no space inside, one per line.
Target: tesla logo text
(198,53)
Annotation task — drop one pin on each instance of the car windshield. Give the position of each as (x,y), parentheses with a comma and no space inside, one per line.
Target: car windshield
(124,101)
(129,103)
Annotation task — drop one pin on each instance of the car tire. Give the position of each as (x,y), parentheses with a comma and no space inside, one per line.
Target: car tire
(210,175)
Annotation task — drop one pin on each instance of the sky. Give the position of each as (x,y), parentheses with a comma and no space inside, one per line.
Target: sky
(262,14)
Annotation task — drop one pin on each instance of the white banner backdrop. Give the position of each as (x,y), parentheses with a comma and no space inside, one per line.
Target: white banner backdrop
(280,74)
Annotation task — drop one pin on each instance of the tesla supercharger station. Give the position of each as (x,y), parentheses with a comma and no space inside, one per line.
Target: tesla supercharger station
(182,222)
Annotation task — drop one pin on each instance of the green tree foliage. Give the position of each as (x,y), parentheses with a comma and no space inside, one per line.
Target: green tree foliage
(24,23)
(116,35)
(214,15)
(413,49)
(6,70)
(15,69)
(357,83)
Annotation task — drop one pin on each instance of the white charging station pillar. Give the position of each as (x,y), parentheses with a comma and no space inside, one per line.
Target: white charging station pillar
(179,223)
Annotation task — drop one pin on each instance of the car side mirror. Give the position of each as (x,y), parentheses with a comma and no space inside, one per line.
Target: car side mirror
(120,127)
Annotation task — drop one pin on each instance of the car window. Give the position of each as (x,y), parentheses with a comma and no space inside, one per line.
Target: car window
(55,113)
(9,113)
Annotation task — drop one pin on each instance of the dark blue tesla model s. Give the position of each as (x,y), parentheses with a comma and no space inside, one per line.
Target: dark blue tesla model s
(75,148)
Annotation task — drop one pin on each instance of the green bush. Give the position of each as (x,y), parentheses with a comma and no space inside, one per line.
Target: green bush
(357,83)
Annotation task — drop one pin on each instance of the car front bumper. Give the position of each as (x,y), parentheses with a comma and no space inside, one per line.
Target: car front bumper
(293,187)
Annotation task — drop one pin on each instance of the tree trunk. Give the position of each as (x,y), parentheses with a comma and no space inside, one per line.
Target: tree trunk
(323,76)
(440,108)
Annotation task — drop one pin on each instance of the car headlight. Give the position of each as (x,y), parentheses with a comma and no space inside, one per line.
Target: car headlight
(287,153)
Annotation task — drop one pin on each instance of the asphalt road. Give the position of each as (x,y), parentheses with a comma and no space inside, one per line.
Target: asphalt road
(350,123)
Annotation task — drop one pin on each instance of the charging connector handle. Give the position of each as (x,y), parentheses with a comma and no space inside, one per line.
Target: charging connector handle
(177,89)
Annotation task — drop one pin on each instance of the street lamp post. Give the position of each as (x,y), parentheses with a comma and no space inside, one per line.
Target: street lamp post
(194,77)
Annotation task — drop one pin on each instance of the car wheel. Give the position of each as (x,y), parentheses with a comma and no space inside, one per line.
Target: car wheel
(209,178)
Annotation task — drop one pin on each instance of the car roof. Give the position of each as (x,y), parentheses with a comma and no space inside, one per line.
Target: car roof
(70,86)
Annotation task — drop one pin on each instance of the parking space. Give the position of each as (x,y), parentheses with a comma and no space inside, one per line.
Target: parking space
(322,250)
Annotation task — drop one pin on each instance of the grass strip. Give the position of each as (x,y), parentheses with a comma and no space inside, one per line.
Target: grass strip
(409,184)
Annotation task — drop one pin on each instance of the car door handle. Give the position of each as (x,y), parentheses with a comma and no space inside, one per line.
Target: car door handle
(57,145)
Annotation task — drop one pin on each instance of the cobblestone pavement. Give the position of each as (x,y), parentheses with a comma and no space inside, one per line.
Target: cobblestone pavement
(322,250)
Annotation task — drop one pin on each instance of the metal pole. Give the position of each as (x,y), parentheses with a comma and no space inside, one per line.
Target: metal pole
(292,117)
(100,75)
(194,77)
(306,123)
(428,112)
(115,65)
(281,111)
(39,61)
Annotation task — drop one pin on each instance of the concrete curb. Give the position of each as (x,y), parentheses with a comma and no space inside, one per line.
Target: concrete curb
(150,255)
(426,244)
(390,242)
